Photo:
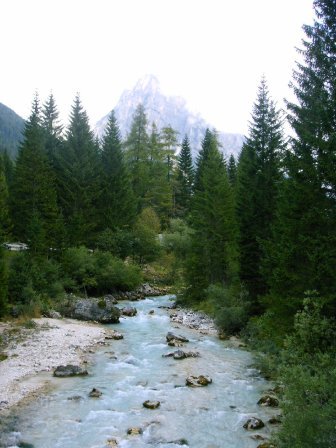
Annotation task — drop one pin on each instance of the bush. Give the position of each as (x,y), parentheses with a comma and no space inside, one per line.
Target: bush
(230,307)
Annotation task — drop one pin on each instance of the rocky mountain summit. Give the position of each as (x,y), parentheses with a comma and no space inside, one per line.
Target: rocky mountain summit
(167,111)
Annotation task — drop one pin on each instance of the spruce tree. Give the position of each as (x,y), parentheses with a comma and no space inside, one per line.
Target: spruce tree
(258,178)
(184,179)
(33,194)
(138,154)
(117,202)
(302,255)
(3,282)
(79,178)
(53,130)
(232,170)
(213,256)
(5,227)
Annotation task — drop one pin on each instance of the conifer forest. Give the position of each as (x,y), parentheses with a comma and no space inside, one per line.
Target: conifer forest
(252,241)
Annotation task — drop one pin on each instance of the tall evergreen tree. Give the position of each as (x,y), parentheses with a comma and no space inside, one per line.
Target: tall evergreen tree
(79,178)
(5,227)
(169,144)
(138,155)
(213,257)
(117,201)
(53,130)
(258,178)
(33,194)
(184,179)
(232,170)
(302,256)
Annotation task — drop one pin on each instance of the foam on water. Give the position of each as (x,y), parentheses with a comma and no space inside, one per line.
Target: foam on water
(209,417)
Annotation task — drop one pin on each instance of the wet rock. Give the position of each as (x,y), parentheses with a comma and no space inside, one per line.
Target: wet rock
(275,420)
(151,312)
(114,335)
(69,370)
(111,443)
(111,299)
(254,423)
(174,343)
(268,400)
(95,393)
(179,442)
(173,339)
(198,381)
(128,311)
(92,309)
(180,354)
(258,437)
(151,404)
(136,431)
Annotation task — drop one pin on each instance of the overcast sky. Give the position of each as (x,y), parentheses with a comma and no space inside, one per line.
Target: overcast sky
(211,52)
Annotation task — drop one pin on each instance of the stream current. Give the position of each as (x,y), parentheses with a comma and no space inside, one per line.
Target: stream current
(131,371)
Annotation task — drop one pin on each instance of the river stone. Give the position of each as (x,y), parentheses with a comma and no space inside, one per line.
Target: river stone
(151,404)
(75,398)
(254,423)
(69,370)
(179,442)
(129,311)
(269,400)
(92,309)
(111,443)
(95,393)
(172,337)
(134,431)
(198,381)
(114,335)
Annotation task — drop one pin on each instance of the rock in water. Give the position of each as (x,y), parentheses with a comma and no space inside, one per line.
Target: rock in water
(151,404)
(254,423)
(134,431)
(114,335)
(172,337)
(95,393)
(129,311)
(69,370)
(198,381)
(92,309)
(269,400)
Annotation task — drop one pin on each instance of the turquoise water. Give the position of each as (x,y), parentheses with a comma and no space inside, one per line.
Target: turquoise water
(132,370)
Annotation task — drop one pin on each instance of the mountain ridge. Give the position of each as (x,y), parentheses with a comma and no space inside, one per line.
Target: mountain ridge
(166,110)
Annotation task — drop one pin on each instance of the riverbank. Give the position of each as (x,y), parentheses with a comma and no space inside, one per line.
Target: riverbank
(31,351)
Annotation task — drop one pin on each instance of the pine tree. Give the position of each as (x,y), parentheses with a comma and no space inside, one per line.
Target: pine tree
(3,282)
(138,155)
(258,178)
(213,257)
(117,202)
(5,227)
(302,256)
(33,192)
(53,130)
(79,178)
(184,179)
(232,170)
(168,137)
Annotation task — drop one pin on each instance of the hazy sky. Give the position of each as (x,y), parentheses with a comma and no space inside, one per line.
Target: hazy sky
(211,52)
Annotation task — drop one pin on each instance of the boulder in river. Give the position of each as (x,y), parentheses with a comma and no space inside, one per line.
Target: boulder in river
(254,423)
(115,335)
(135,431)
(151,404)
(179,442)
(99,310)
(269,400)
(111,443)
(128,311)
(95,393)
(180,354)
(69,370)
(198,381)
(173,339)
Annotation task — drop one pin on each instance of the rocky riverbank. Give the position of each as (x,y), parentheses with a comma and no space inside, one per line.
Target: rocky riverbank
(32,351)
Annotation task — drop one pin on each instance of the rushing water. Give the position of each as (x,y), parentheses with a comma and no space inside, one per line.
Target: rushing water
(132,370)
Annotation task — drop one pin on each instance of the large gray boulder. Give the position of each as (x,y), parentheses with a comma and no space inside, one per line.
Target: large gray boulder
(92,309)
(69,370)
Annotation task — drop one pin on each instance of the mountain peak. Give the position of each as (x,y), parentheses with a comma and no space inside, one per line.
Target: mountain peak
(166,111)
(148,83)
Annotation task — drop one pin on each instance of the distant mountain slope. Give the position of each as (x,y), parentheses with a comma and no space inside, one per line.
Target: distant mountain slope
(11,129)
(164,111)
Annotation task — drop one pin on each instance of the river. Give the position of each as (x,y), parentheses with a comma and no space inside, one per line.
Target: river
(132,370)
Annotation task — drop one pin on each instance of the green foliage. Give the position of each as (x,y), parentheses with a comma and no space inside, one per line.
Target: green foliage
(118,241)
(117,202)
(3,282)
(309,374)
(97,272)
(146,246)
(33,193)
(230,305)
(184,180)
(213,257)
